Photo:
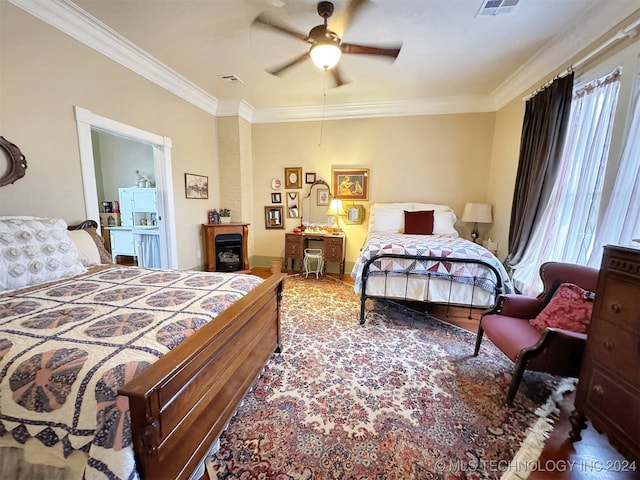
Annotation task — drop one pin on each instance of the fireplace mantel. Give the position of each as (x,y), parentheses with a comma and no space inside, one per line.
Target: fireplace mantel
(211,230)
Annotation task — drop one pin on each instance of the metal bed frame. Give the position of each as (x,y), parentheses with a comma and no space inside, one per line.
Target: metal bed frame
(365,276)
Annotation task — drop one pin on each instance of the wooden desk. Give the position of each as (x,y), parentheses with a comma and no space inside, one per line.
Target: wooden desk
(332,245)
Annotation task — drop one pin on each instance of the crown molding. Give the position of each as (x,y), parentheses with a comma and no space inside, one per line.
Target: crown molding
(233,108)
(403,108)
(80,25)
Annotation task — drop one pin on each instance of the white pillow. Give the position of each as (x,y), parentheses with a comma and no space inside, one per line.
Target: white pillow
(35,250)
(387,217)
(443,223)
(87,250)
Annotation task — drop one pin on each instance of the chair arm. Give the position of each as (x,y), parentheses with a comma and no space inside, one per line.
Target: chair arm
(558,352)
(518,306)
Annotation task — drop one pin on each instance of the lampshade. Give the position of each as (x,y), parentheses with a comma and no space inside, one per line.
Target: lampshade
(325,55)
(335,208)
(477,213)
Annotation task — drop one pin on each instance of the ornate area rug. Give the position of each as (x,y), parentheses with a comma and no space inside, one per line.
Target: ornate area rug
(400,397)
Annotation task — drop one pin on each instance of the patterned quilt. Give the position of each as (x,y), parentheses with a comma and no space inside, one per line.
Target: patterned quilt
(65,350)
(446,247)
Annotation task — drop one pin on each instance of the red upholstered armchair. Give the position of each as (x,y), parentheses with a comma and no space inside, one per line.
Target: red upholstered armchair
(554,350)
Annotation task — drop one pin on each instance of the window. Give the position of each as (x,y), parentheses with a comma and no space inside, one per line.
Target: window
(570,216)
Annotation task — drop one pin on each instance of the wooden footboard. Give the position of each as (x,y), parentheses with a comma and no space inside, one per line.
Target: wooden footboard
(182,402)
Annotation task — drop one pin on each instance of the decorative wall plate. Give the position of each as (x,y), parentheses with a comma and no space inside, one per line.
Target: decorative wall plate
(276,184)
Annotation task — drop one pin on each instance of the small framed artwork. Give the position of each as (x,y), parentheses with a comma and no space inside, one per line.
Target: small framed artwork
(293,207)
(276,197)
(293,177)
(350,183)
(323,197)
(196,186)
(310,177)
(274,217)
(354,214)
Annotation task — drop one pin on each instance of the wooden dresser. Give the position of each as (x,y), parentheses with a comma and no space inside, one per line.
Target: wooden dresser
(333,247)
(608,392)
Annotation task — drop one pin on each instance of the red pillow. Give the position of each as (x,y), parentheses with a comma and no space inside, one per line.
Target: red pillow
(569,309)
(418,223)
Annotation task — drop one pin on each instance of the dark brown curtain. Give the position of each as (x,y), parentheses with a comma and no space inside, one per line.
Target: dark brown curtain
(546,120)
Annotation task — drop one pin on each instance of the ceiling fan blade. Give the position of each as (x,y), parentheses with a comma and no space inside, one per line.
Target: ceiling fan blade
(269,22)
(370,50)
(295,61)
(337,76)
(344,18)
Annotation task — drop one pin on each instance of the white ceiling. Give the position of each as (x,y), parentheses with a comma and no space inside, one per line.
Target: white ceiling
(448,52)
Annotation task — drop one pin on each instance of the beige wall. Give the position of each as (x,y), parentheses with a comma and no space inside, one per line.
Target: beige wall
(438,158)
(504,166)
(44,75)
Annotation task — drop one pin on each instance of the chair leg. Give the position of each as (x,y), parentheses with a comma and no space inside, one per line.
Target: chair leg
(518,372)
(478,340)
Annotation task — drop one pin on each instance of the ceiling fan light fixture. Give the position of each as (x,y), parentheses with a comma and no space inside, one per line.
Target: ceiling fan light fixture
(325,55)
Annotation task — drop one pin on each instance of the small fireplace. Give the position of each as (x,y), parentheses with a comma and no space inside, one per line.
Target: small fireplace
(228,252)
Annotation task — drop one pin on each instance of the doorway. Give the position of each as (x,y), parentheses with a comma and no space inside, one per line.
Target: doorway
(87,122)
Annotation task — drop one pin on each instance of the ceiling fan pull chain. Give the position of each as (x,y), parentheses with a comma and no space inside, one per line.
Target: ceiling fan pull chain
(324,107)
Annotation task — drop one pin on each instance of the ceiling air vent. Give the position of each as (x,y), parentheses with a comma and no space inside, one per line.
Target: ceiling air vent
(230,78)
(496,7)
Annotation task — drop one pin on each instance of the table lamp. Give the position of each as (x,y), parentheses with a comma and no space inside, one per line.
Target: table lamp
(335,210)
(476,213)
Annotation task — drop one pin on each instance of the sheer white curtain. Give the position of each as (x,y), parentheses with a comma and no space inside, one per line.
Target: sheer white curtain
(621,221)
(567,231)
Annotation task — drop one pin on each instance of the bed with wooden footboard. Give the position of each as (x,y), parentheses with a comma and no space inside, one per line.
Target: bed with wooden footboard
(109,371)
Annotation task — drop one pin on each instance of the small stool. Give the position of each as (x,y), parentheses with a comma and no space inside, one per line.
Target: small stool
(312,255)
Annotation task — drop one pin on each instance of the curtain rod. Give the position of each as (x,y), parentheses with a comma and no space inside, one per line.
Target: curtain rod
(627,32)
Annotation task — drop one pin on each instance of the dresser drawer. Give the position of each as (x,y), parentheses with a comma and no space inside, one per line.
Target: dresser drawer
(294,246)
(614,407)
(333,251)
(616,349)
(621,304)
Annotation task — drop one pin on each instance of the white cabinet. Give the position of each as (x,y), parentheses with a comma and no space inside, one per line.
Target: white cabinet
(121,242)
(138,206)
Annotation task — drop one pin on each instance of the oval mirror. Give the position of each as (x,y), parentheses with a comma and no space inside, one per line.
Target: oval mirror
(315,204)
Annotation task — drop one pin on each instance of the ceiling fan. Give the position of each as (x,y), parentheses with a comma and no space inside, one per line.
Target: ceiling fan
(326,46)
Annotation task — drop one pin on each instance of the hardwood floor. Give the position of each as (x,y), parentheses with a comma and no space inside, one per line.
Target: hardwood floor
(593,457)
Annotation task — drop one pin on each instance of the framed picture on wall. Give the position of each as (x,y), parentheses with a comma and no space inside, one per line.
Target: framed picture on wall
(310,177)
(293,177)
(196,186)
(274,217)
(276,197)
(350,183)
(293,208)
(323,197)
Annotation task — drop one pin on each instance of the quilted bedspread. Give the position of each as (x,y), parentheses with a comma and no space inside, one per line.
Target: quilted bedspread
(65,350)
(446,247)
